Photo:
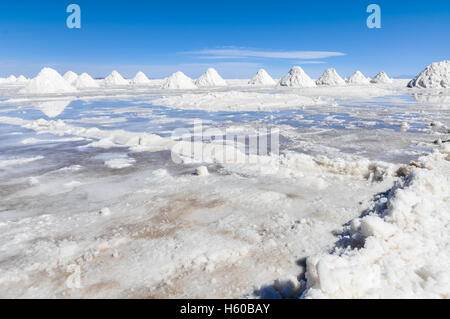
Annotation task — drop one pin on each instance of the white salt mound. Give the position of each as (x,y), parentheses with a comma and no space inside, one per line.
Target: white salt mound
(262,78)
(115,79)
(381,77)
(70,77)
(358,78)
(201,171)
(48,81)
(85,81)
(178,80)
(296,77)
(210,78)
(140,78)
(330,77)
(21,79)
(436,75)
(11,79)
(105,211)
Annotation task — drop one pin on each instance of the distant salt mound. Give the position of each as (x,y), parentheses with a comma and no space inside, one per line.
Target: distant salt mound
(48,81)
(11,79)
(210,78)
(70,77)
(21,79)
(85,81)
(115,79)
(358,78)
(297,78)
(178,80)
(140,79)
(262,78)
(381,77)
(436,75)
(330,77)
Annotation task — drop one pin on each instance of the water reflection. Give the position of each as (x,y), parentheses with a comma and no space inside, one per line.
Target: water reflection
(52,108)
(441,98)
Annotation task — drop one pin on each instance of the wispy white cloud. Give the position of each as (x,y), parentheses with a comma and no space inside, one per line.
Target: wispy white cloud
(245,53)
(310,62)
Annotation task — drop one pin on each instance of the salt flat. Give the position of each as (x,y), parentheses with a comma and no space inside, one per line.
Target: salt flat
(92,204)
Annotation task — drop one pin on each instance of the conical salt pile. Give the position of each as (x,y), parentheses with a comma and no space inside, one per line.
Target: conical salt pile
(297,78)
(436,75)
(46,82)
(140,79)
(11,79)
(70,77)
(115,79)
(178,80)
(358,78)
(381,77)
(21,79)
(330,77)
(210,78)
(262,78)
(85,81)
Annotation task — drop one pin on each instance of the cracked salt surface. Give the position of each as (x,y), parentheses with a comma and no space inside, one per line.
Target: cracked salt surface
(242,230)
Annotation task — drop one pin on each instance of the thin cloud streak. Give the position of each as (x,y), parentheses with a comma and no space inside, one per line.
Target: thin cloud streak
(239,53)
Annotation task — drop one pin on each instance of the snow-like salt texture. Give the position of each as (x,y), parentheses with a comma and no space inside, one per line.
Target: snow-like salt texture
(210,78)
(358,78)
(262,78)
(381,77)
(235,100)
(18,161)
(85,81)
(436,75)
(115,79)
(140,79)
(136,141)
(70,77)
(296,77)
(178,80)
(330,77)
(401,247)
(48,81)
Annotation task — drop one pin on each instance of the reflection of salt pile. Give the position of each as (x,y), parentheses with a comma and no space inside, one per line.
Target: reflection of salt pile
(48,81)
(178,80)
(381,77)
(262,78)
(210,78)
(330,77)
(52,108)
(436,75)
(115,79)
(85,81)
(297,78)
(21,79)
(140,78)
(358,78)
(70,77)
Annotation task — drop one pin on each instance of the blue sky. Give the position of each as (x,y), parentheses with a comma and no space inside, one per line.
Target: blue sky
(235,36)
